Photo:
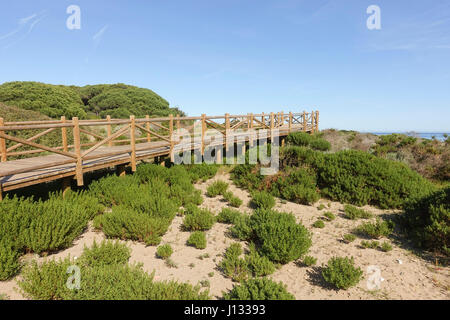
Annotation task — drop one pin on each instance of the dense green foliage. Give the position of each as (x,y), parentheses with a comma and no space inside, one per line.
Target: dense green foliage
(232,199)
(164,251)
(228,215)
(377,229)
(277,235)
(198,219)
(117,100)
(354,213)
(319,224)
(341,272)
(197,239)
(139,213)
(308,140)
(262,200)
(106,253)
(107,277)
(428,221)
(41,226)
(216,188)
(309,261)
(259,289)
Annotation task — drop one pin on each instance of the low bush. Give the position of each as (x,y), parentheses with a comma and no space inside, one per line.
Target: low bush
(197,239)
(369,244)
(262,200)
(164,251)
(242,228)
(354,213)
(198,220)
(201,171)
(228,215)
(320,144)
(341,272)
(259,266)
(106,253)
(232,265)
(9,260)
(309,261)
(304,139)
(259,289)
(385,246)
(278,236)
(102,282)
(218,187)
(427,221)
(232,199)
(319,224)
(329,215)
(125,223)
(376,229)
(349,237)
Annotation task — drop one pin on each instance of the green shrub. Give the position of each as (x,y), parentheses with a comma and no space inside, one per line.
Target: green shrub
(106,253)
(321,207)
(218,187)
(56,223)
(320,144)
(164,251)
(9,260)
(386,246)
(259,266)
(349,237)
(125,223)
(198,220)
(427,220)
(263,200)
(309,261)
(228,215)
(359,178)
(354,213)
(377,229)
(369,244)
(299,139)
(319,224)
(197,239)
(279,237)
(107,282)
(329,215)
(242,228)
(259,289)
(298,186)
(233,200)
(232,266)
(341,272)
(201,171)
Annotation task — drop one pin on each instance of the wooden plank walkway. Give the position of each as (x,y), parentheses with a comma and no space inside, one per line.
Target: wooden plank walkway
(20,173)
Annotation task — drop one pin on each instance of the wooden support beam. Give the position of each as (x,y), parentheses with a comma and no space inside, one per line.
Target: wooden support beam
(227,129)
(312,122)
(172,138)
(317,121)
(64,135)
(203,134)
(304,121)
(2,144)
(133,143)
(77,145)
(290,122)
(147,126)
(109,130)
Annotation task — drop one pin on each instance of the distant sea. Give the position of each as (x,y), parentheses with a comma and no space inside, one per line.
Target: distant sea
(424,135)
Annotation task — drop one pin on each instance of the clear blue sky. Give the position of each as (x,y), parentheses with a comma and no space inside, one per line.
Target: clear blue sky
(240,56)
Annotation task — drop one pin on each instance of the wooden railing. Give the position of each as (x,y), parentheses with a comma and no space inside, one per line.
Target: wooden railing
(86,136)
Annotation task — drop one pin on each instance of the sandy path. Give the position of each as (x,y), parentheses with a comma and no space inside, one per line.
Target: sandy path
(414,278)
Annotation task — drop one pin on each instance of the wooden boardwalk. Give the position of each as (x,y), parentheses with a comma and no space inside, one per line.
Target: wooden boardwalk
(126,142)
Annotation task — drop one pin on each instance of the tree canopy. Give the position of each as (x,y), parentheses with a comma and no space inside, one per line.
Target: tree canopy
(91,101)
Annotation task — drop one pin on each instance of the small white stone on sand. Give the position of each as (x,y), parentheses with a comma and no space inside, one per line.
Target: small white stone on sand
(399,261)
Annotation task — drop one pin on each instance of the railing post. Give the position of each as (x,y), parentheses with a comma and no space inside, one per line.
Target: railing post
(178,123)
(250,142)
(227,130)
(282,118)
(109,130)
(172,157)
(77,146)
(64,135)
(263,118)
(147,126)
(203,134)
(304,121)
(317,121)
(312,121)
(271,124)
(2,144)
(290,122)
(133,142)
